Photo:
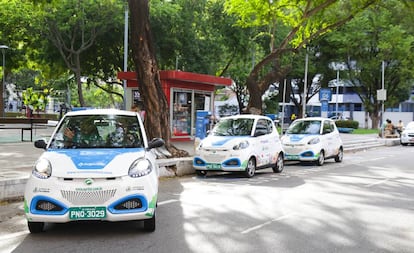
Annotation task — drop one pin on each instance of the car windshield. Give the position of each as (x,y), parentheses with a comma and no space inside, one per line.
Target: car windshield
(233,127)
(410,126)
(98,131)
(305,127)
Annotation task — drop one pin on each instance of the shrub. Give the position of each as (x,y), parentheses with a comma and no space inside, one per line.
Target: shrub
(347,123)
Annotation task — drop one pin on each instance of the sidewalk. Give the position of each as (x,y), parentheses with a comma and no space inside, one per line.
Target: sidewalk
(17,158)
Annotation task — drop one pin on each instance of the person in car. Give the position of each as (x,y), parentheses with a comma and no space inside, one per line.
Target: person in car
(86,135)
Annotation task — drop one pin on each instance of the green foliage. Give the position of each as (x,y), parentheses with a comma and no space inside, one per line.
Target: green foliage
(372,37)
(37,101)
(347,123)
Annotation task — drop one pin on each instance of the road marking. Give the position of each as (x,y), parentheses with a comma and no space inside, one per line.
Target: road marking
(167,202)
(14,235)
(379,182)
(267,223)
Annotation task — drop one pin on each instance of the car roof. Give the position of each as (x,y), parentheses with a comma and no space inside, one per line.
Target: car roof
(101,112)
(315,118)
(247,116)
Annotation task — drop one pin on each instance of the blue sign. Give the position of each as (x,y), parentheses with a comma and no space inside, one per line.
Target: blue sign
(202,122)
(325,94)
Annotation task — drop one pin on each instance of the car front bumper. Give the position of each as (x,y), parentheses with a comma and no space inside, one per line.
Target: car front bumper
(300,153)
(60,200)
(232,161)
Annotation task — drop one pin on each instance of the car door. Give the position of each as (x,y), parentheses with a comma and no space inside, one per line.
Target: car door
(329,138)
(262,142)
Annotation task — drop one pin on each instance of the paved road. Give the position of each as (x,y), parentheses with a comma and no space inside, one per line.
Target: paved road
(364,204)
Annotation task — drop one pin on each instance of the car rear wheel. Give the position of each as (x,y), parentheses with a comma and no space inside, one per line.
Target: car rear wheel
(35,227)
(251,168)
(279,164)
(339,156)
(149,225)
(201,173)
(321,159)
(404,144)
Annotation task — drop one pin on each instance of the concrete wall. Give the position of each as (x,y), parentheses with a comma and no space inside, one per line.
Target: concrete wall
(393,116)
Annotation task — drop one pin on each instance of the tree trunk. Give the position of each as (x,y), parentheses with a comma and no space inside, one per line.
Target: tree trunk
(77,70)
(155,103)
(255,105)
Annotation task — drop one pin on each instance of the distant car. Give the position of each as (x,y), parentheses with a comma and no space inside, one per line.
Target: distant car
(312,139)
(241,143)
(407,135)
(96,166)
(340,117)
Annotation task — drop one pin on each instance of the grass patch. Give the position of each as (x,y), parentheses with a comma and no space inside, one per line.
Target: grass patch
(365,131)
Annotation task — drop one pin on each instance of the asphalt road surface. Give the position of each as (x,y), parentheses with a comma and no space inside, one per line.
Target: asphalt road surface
(364,204)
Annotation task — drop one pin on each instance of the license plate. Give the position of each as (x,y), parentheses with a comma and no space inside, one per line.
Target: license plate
(213,166)
(87,213)
(292,157)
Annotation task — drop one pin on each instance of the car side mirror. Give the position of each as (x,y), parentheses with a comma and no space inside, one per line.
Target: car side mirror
(41,143)
(155,143)
(259,133)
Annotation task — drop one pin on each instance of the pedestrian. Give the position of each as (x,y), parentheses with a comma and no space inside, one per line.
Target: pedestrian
(389,128)
(137,107)
(400,127)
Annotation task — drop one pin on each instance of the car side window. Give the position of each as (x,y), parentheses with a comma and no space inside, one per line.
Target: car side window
(327,127)
(261,128)
(269,126)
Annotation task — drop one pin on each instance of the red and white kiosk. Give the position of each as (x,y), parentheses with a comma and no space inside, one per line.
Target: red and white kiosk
(186,93)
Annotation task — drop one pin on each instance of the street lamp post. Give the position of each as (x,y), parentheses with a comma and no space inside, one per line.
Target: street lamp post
(3,92)
(124,82)
(305,84)
(337,91)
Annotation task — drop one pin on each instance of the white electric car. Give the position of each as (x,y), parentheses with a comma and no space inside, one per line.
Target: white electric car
(241,143)
(312,139)
(97,165)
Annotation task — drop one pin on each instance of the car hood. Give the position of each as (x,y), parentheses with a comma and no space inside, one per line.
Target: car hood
(408,131)
(222,141)
(80,163)
(298,138)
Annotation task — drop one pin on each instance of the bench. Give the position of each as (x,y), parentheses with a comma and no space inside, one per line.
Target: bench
(25,124)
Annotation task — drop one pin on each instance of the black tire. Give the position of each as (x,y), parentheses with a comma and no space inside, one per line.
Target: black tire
(251,168)
(278,167)
(35,227)
(339,156)
(149,224)
(321,158)
(201,173)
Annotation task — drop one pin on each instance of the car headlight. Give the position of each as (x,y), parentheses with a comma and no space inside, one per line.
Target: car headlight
(241,145)
(139,168)
(42,169)
(314,141)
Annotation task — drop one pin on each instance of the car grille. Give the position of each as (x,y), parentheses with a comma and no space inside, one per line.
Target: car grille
(214,158)
(88,197)
(292,150)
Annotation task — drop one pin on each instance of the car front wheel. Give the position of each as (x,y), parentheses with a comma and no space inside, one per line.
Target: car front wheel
(35,227)
(251,168)
(279,164)
(149,225)
(201,173)
(321,159)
